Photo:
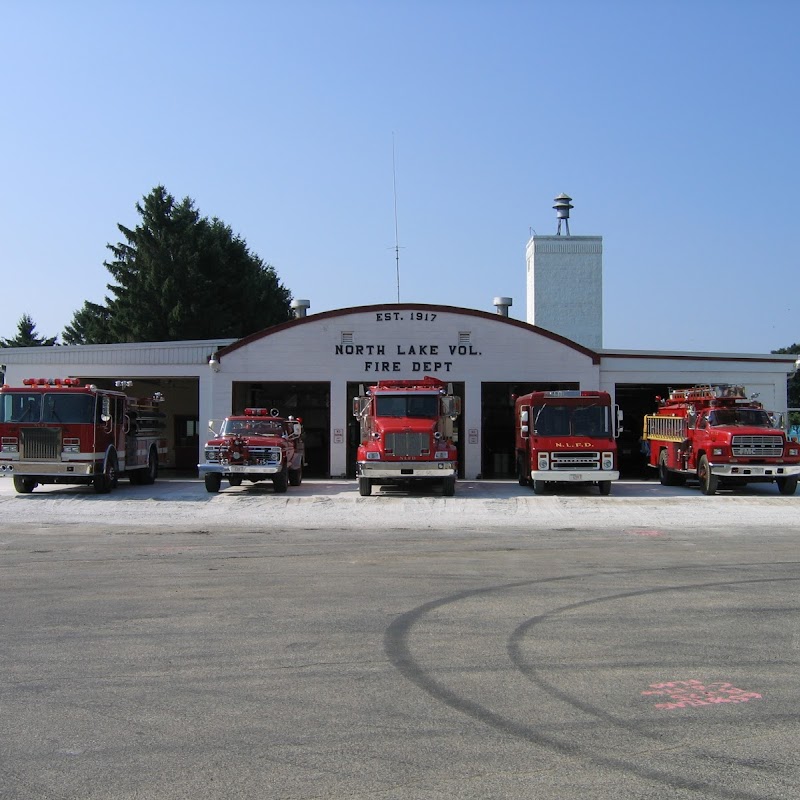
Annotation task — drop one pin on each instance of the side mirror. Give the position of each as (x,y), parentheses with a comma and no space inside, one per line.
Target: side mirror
(524,431)
(105,413)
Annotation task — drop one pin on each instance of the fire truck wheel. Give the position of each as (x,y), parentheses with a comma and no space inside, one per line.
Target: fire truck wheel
(213,481)
(281,481)
(235,480)
(149,475)
(296,476)
(785,485)
(604,487)
(105,482)
(449,486)
(538,487)
(24,485)
(664,475)
(364,487)
(708,482)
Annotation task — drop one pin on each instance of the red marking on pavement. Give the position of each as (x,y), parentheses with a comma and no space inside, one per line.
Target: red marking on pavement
(644,532)
(685,694)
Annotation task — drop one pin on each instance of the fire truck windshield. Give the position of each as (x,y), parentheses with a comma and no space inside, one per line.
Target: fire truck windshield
(754,417)
(425,406)
(65,408)
(252,427)
(571,420)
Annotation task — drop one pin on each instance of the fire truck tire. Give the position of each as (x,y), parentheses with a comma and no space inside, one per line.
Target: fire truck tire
(213,481)
(235,480)
(449,486)
(538,487)
(296,476)
(281,481)
(708,482)
(665,474)
(787,485)
(364,487)
(107,481)
(24,485)
(149,475)
(604,487)
(522,475)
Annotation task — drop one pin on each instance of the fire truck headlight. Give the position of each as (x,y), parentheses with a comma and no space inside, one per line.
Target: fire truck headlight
(793,451)
(441,454)
(608,461)
(544,461)
(373,455)
(9,445)
(717,451)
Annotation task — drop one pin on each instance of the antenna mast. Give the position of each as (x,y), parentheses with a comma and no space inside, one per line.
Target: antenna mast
(396,235)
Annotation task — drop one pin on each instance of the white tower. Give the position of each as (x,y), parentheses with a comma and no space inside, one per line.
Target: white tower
(565,282)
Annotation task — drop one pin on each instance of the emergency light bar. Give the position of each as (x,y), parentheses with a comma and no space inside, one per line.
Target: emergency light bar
(51,382)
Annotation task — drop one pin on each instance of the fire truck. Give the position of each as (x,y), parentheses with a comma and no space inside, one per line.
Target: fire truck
(718,435)
(58,431)
(566,436)
(407,434)
(257,445)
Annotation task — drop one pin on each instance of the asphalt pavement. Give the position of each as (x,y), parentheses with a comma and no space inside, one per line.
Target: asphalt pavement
(161,642)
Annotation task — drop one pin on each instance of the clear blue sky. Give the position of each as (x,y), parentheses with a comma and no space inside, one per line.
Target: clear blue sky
(673,125)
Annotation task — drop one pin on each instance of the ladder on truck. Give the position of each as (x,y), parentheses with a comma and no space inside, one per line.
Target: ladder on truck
(667,429)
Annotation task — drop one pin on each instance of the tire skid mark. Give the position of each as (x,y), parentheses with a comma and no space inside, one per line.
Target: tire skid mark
(398,651)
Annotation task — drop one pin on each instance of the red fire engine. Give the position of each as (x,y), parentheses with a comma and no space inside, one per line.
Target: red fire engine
(566,436)
(57,431)
(718,435)
(257,445)
(407,434)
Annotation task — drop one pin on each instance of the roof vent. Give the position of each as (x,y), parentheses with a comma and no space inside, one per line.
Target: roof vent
(502,305)
(300,307)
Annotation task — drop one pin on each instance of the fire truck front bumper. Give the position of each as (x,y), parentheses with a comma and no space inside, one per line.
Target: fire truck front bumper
(63,469)
(753,471)
(240,469)
(399,470)
(574,476)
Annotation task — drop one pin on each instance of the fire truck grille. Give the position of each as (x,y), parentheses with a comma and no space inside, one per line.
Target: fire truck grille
(408,443)
(757,446)
(264,455)
(582,461)
(42,444)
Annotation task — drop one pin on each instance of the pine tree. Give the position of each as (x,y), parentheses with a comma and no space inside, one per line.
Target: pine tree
(178,275)
(27,337)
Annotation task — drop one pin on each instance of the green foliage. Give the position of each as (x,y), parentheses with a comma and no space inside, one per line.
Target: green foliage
(180,276)
(27,337)
(793,384)
(89,326)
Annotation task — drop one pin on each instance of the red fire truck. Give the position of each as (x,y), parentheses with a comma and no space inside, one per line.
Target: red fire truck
(717,434)
(57,431)
(567,436)
(257,445)
(407,434)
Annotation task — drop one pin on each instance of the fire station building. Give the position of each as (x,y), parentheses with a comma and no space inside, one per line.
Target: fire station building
(312,367)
